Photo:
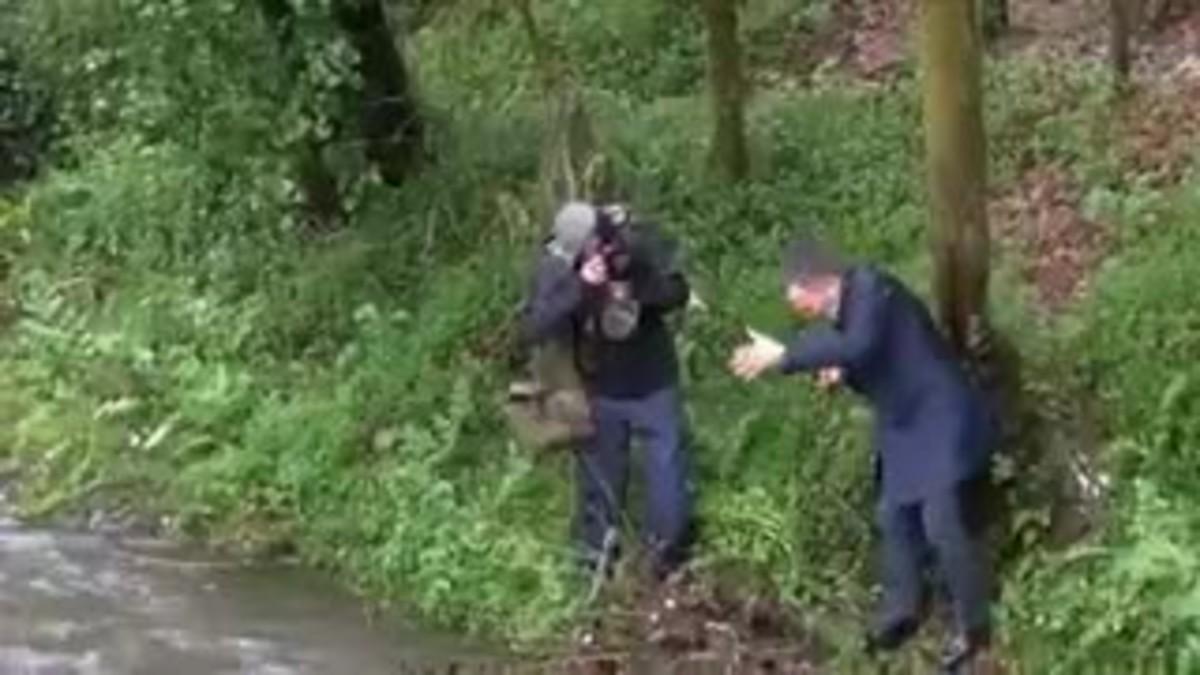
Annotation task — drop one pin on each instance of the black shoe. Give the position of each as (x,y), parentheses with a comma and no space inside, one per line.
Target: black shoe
(960,651)
(889,637)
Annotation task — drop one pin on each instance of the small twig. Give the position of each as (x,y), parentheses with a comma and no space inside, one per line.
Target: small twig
(601,571)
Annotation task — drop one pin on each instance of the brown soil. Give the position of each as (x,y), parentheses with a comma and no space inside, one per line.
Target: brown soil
(865,39)
(1161,126)
(878,38)
(1039,216)
(685,625)
(1156,131)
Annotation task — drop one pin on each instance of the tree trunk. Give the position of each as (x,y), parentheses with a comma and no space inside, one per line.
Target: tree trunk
(1160,16)
(995,19)
(318,185)
(571,167)
(390,121)
(728,152)
(956,156)
(281,20)
(322,196)
(1120,17)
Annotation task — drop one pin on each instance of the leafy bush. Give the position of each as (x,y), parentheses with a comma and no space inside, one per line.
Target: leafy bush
(1130,595)
(326,395)
(177,341)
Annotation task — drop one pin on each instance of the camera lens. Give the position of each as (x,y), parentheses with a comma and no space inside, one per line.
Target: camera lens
(619,318)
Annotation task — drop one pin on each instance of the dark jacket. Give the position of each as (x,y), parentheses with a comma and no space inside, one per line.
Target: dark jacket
(561,306)
(932,427)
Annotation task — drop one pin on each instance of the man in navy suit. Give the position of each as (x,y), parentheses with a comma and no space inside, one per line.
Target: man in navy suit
(933,432)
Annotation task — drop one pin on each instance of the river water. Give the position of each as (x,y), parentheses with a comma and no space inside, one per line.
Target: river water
(82,603)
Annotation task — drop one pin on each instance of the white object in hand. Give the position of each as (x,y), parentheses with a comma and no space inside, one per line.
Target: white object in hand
(829,377)
(760,354)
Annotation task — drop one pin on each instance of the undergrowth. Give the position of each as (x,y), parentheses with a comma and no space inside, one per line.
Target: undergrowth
(178,342)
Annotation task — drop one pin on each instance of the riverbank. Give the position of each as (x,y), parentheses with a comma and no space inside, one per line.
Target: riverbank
(183,353)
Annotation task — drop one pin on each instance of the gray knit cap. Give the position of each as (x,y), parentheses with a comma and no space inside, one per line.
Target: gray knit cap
(573,224)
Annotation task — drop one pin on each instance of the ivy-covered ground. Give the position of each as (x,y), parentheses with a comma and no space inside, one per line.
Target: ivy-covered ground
(181,349)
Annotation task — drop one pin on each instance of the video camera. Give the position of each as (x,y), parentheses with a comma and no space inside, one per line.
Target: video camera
(611,239)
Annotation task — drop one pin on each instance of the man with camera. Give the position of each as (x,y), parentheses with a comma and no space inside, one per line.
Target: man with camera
(933,433)
(606,284)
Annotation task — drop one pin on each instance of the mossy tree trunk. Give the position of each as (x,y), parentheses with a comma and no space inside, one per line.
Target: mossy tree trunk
(1120,36)
(996,18)
(956,156)
(570,163)
(728,151)
(389,116)
(323,208)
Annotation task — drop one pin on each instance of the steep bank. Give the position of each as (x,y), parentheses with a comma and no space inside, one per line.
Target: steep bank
(180,344)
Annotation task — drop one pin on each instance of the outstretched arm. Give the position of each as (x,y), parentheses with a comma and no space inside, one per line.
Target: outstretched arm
(825,349)
(828,347)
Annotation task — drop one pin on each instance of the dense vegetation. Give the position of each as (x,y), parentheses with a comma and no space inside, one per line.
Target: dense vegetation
(189,335)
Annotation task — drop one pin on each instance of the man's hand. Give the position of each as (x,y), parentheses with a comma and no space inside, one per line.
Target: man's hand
(594,271)
(754,358)
(829,377)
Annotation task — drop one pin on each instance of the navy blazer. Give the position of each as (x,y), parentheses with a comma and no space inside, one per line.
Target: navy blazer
(933,429)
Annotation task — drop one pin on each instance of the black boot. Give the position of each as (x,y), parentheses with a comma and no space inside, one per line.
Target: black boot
(960,651)
(889,637)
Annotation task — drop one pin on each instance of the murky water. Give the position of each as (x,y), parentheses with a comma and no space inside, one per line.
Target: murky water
(91,605)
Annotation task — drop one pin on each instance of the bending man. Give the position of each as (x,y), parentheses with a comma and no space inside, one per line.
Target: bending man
(932,437)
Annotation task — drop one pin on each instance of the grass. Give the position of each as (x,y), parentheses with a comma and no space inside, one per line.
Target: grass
(201,359)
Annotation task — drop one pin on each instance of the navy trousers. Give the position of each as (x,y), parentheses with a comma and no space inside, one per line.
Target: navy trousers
(602,467)
(949,525)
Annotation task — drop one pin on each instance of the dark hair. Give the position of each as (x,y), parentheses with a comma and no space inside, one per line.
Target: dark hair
(805,259)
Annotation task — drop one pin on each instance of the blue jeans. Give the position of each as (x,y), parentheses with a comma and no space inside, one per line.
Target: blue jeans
(949,525)
(602,467)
